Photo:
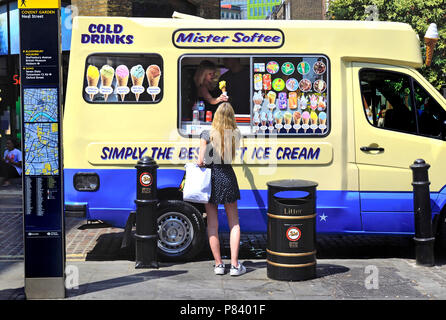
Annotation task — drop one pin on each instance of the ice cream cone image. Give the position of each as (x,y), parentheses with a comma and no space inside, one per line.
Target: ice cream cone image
(257,98)
(322,121)
(222,86)
(153,77)
(278,117)
(313,118)
(137,75)
(297,117)
(306,120)
(92,78)
(271,97)
(287,117)
(430,40)
(107,74)
(122,77)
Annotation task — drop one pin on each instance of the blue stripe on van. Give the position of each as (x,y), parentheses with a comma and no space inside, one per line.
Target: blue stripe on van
(337,211)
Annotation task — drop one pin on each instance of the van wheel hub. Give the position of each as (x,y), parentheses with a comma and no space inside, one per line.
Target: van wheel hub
(175,232)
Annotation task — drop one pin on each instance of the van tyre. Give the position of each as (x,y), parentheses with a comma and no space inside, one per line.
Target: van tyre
(181,231)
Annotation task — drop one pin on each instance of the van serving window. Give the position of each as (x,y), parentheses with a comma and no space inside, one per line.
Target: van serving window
(285,95)
(123,78)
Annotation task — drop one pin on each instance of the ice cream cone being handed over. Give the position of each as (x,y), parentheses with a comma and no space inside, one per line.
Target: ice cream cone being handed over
(430,40)
(153,73)
(222,86)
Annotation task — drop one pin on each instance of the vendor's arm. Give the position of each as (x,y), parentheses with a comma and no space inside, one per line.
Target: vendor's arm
(203,92)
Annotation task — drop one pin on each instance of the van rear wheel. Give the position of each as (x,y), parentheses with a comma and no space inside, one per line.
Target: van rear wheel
(181,231)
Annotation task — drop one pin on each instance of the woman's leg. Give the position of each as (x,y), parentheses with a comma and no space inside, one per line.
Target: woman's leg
(212,221)
(234,227)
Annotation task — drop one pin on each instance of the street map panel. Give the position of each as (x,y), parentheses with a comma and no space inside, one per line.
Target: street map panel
(41,152)
(40,105)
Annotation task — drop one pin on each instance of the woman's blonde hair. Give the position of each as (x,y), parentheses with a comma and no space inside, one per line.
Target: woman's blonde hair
(225,136)
(200,74)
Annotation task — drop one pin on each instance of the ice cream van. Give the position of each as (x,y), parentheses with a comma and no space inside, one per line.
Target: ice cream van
(340,103)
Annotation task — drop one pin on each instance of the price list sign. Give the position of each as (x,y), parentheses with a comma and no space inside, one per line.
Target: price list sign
(40,71)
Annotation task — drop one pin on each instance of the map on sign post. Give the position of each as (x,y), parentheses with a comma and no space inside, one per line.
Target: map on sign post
(40,106)
(41,151)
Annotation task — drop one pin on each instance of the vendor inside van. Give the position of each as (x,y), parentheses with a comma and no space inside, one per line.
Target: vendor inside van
(231,78)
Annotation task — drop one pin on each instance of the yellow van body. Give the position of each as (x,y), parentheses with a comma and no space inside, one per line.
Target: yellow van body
(361,166)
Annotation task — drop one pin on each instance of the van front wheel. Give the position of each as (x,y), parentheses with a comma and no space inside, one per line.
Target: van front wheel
(181,231)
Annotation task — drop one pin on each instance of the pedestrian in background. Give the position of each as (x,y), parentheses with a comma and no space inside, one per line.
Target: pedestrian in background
(217,151)
(11,164)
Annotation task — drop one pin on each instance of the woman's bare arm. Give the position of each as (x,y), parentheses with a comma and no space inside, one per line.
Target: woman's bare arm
(202,152)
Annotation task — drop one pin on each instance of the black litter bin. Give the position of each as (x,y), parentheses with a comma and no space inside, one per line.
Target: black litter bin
(291,237)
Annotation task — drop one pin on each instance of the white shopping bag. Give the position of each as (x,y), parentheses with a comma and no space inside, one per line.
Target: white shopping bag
(197,187)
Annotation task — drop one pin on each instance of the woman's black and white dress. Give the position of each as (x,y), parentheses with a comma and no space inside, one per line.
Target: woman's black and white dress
(224,186)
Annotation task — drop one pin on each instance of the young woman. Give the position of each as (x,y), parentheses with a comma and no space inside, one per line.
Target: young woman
(11,164)
(217,151)
(205,83)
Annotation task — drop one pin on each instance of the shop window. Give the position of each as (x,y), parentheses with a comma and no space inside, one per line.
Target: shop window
(387,100)
(123,78)
(286,95)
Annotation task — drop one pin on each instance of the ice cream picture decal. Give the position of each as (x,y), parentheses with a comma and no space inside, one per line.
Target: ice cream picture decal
(122,77)
(291,93)
(107,74)
(137,73)
(153,77)
(92,79)
(123,83)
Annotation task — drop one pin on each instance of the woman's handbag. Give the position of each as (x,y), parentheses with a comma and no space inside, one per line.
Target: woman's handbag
(197,186)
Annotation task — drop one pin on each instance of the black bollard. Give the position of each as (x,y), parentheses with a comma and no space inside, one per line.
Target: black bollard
(424,239)
(146,222)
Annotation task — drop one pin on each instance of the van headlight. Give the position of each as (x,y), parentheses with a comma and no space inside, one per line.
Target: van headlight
(86,181)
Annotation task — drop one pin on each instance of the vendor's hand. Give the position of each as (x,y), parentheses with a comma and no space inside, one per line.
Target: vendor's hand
(223,97)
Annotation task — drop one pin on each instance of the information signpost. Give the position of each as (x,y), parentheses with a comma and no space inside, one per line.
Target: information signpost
(40,72)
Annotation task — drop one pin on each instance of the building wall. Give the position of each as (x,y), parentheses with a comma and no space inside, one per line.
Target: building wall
(242,4)
(307,9)
(209,9)
(301,10)
(91,7)
(258,9)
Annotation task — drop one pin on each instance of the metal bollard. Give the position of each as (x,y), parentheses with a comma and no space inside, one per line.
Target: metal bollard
(424,239)
(146,222)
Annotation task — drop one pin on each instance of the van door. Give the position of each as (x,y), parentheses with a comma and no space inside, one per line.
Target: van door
(396,122)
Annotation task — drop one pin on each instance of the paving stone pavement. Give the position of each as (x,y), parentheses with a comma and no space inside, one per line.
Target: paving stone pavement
(108,272)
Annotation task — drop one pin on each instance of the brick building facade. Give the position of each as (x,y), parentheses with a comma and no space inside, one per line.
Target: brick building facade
(209,9)
(300,10)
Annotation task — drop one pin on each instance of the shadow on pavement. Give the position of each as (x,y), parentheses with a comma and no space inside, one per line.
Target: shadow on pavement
(120,281)
(13,294)
(108,247)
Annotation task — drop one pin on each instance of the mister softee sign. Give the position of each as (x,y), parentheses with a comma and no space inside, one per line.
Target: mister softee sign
(228,38)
